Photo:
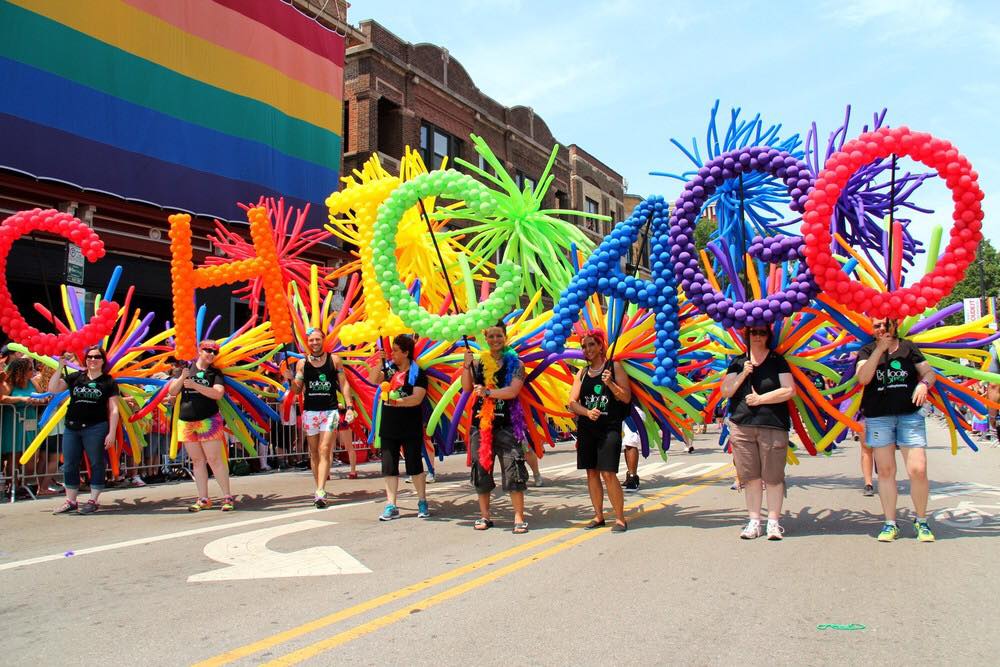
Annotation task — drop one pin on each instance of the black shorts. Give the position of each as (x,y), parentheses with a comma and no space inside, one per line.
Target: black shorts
(513,469)
(413,449)
(599,451)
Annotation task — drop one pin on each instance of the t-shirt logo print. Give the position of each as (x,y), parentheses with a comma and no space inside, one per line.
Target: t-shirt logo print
(895,364)
(598,389)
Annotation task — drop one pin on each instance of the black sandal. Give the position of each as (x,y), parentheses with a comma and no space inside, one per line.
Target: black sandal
(619,527)
(482,524)
(594,523)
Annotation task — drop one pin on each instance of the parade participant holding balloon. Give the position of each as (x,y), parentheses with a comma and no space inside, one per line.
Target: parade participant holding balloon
(91,424)
(896,379)
(758,385)
(495,379)
(201,426)
(319,378)
(401,425)
(599,397)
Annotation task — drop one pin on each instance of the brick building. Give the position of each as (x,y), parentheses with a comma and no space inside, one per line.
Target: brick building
(399,94)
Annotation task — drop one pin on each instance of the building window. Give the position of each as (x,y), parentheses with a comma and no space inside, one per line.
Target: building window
(591,206)
(436,145)
(521,180)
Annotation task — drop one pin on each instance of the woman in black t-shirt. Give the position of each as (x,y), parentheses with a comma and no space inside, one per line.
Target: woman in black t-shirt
(202,430)
(599,398)
(401,424)
(758,385)
(896,379)
(91,425)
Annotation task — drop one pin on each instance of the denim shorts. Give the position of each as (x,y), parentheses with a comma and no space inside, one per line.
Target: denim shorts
(903,430)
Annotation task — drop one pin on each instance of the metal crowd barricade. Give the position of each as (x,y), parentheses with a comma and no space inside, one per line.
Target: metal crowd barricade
(42,476)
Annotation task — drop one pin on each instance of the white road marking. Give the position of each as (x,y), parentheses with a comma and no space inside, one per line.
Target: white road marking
(172,536)
(248,557)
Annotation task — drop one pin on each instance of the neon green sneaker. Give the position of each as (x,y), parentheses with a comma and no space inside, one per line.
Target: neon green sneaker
(890,532)
(924,533)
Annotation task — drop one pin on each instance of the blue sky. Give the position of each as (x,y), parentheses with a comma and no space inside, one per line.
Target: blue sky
(622,77)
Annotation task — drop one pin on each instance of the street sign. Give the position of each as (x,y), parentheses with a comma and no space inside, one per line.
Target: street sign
(247,556)
(74,264)
(973,309)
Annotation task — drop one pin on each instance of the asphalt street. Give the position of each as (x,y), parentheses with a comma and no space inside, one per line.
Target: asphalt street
(278,582)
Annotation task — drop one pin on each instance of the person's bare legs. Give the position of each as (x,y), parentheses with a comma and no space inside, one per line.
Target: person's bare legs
(615,494)
(420,485)
(596,490)
(775,496)
(347,442)
(532,459)
(754,497)
(213,454)
(391,488)
(632,461)
(517,500)
(867,463)
(915,459)
(199,467)
(484,505)
(885,458)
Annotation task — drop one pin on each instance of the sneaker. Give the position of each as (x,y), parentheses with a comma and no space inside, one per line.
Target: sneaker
(631,483)
(539,480)
(774,530)
(320,500)
(924,533)
(890,532)
(389,513)
(90,507)
(352,475)
(869,491)
(423,512)
(228,504)
(752,530)
(67,508)
(430,478)
(137,482)
(200,504)
(408,480)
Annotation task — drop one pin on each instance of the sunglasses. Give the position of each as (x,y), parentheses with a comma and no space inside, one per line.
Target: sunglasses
(94,356)
(758,332)
(880,325)
(209,351)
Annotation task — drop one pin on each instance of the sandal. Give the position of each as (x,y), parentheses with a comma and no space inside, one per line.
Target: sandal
(482,524)
(520,528)
(594,523)
(619,527)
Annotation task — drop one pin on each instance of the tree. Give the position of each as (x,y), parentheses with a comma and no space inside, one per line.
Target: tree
(985,271)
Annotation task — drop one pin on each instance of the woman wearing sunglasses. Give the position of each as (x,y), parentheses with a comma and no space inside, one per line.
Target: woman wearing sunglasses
(201,427)
(896,380)
(91,425)
(759,385)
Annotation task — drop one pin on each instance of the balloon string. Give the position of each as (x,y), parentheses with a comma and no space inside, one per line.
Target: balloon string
(444,272)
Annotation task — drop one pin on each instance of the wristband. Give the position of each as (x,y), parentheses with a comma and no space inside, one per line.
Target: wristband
(925,383)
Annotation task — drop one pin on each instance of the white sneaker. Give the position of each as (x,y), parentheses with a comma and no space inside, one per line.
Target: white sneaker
(539,480)
(774,529)
(752,530)
(137,481)
(430,478)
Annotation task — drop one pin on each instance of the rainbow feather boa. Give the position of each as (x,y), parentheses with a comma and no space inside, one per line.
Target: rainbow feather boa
(486,411)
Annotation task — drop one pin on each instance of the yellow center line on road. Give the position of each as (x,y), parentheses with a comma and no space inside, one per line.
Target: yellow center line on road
(648,505)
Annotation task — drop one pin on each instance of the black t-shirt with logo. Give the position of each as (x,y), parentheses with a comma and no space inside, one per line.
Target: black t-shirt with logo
(595,394)
(890,391)
(501,408)
(88,399)
(400,422)
(320,386)
(762,380)
(194,406)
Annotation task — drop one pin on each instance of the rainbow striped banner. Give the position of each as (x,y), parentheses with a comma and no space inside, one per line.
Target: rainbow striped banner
(187,104)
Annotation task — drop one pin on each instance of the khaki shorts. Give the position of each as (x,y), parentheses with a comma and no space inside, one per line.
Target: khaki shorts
(759,452)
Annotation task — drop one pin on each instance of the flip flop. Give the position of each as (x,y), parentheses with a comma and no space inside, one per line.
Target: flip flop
(482,524)
(520,528)
(595,524)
